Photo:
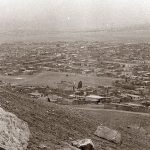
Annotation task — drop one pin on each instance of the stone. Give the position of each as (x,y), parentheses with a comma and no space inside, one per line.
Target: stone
(139,129)
(85,144)
(108,134)
(42,146)
(133,127)
(14,132)
(143,131)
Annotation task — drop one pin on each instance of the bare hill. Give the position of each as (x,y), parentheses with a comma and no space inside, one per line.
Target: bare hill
(50,123)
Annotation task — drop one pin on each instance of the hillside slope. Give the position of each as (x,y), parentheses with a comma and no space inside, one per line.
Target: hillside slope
(50,123)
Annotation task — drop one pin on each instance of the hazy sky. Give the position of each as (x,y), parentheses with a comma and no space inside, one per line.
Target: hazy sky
(72,14)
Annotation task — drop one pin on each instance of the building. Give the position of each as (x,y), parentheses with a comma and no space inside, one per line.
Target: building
(134,97)
(94,99)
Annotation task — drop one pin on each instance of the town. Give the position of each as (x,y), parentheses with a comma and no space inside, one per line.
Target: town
(74,75)
(109,75)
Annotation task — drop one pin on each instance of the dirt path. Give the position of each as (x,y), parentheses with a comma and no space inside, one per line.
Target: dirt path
(111,110)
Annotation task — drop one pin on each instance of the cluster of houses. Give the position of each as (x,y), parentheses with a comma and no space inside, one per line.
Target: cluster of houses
(103,59)
(129,63)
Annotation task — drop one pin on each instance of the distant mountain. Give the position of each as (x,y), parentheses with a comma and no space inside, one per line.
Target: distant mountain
(131,28)
(33,31)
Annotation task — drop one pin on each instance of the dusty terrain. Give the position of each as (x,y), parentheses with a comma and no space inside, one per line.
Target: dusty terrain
(50,124)
(52,78)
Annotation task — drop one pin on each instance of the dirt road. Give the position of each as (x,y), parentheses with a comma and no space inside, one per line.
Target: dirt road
(111,110)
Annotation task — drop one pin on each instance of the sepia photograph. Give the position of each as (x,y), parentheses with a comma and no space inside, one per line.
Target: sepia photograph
(74,74)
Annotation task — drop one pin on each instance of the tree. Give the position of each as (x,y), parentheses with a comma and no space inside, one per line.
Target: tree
(80,85)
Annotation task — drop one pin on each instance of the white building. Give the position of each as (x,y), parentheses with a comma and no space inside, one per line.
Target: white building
(93,98)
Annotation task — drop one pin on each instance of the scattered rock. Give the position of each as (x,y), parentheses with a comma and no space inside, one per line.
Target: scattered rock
(85,144)
(42,146)
(143,131)
(135,127)
(138,128)
(70,138)
(108,134)
(14,132)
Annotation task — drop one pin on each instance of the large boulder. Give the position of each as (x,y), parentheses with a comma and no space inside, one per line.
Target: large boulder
(14,133)
(85,144)
(108,134)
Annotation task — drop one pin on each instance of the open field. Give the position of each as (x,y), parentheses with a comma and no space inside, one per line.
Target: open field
(52,78)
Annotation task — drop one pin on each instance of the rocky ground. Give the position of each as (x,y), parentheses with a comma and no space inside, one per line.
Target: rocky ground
(52,124)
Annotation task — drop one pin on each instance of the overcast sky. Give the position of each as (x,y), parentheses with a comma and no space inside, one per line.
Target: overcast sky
(72,14)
